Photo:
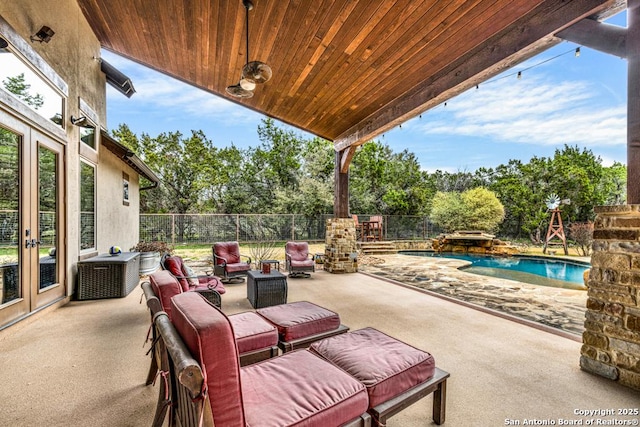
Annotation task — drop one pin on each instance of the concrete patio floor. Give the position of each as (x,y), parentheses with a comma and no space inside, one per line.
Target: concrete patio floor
(84,364)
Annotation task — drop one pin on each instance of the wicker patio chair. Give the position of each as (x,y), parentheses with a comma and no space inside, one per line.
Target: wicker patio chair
(208,285)
(299,262)
(227,261)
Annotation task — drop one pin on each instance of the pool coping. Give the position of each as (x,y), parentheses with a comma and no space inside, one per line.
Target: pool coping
(467,264)
(507,316)
(543,257)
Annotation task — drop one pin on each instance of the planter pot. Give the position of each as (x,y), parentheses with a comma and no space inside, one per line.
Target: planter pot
(149,262)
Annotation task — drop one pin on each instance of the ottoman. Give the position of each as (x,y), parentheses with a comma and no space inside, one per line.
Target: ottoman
(256,338)
(395,374)
(301,323)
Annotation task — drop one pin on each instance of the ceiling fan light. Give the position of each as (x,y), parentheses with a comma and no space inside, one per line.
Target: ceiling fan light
(257,71)
(247,84)
(238,92)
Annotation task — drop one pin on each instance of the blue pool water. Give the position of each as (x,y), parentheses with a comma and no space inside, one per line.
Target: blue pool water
(537,271)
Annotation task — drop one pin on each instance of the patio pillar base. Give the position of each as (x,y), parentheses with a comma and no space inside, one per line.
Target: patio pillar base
(340,253)
(611,341)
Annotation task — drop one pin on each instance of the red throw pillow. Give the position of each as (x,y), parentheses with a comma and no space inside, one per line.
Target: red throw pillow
(174,265)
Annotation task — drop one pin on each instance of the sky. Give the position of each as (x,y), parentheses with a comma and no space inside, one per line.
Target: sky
(559,99)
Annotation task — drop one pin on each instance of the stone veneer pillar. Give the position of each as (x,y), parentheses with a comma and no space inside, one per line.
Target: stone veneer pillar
(340,254)
(611,341)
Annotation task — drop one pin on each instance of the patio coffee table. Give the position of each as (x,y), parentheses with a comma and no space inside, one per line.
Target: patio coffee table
(264,290)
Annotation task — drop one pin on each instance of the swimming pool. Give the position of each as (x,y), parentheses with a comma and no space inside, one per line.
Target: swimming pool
(554,272)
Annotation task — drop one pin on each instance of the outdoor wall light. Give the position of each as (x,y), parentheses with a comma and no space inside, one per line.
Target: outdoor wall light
(44,34)
(79,121)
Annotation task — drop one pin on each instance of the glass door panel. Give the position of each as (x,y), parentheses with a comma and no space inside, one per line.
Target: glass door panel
(10,236)
(47,217)
(46,242)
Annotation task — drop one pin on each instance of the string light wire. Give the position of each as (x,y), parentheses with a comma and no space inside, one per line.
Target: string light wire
(518,74)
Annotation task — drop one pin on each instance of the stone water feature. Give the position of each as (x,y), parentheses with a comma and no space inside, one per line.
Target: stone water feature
(472,242)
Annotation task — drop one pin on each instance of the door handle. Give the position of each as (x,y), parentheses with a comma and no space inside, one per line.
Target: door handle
(27,242)
(32,243)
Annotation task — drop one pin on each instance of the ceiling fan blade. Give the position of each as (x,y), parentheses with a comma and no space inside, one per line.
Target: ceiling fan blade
(257,71)
(239,92)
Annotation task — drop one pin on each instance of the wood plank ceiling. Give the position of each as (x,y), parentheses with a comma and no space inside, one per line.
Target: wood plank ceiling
(345,70)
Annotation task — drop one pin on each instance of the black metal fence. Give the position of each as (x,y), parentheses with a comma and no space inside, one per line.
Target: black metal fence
(10,230)
(210,228)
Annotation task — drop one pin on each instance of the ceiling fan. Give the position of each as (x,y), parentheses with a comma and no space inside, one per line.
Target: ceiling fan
(254,72)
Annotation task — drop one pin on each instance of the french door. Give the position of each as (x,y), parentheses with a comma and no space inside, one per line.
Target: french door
(32,240)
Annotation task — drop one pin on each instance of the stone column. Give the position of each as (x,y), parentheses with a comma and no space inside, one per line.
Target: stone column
(611,341)
(340,254)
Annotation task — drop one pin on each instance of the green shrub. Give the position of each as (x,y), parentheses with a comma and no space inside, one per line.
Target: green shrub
(475,209)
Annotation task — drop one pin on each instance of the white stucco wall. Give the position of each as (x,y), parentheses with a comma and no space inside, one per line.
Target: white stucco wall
(117,224)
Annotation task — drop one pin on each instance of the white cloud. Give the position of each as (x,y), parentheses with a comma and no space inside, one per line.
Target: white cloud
(534,110)
(156,91)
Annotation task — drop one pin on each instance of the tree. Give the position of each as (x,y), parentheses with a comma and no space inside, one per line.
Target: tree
(475,209)
(582,234)
(483,209)
(381,181)
(614,184)
(447,210)
(314,195)
(20,88)
(281,153)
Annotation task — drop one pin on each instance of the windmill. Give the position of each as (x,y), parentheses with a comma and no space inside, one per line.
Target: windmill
(556,229)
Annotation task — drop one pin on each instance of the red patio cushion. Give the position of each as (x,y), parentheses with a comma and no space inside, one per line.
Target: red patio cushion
(299,254)
(386,366)
(174,265)
(238,266)
(300,319)
(300,389)
(304,263)
(298,251)
(209,337)
(252,332)
(230,251)
(165,286)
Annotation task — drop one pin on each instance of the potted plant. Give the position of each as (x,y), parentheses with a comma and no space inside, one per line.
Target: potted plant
(150,253)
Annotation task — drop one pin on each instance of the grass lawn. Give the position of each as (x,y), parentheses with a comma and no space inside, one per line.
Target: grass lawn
(200,252)
(276,252)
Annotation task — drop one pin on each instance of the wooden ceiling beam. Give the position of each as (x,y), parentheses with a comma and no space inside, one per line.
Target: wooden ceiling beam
(520,42)
(606,38)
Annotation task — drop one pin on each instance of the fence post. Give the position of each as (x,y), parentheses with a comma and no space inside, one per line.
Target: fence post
(173,229)
(424,228)
(293,227)
(237,227)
